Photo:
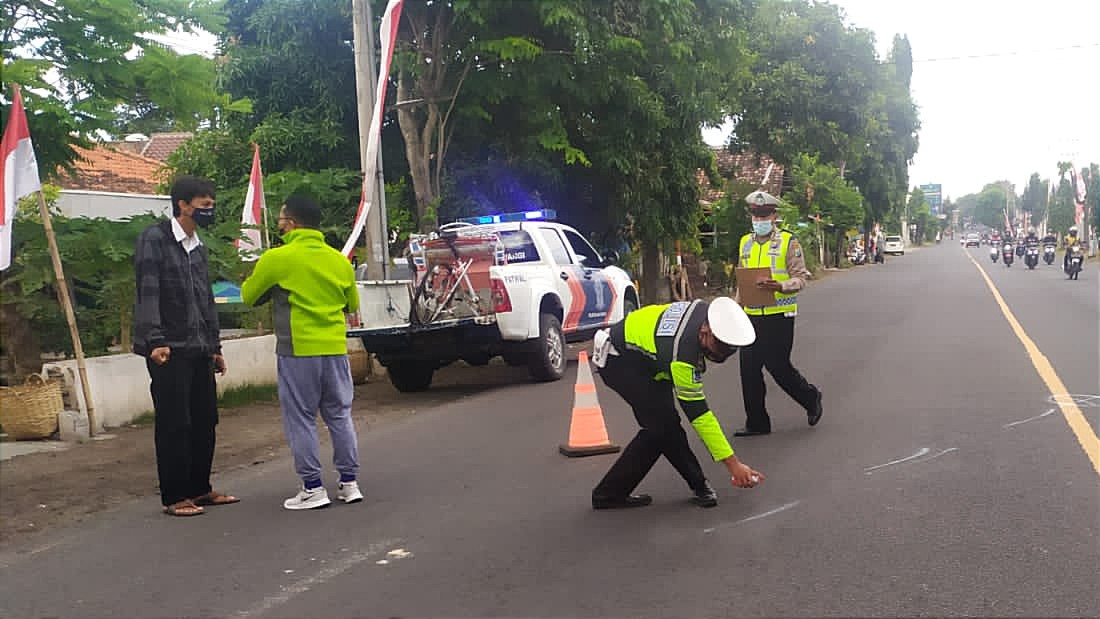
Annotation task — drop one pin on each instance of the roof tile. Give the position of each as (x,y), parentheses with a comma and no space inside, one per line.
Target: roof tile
(107,168)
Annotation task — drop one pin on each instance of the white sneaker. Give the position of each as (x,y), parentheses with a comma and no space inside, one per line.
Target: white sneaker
(308,499)
(348,492)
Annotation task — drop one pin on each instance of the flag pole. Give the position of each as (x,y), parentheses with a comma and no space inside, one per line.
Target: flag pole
(67,305)
(267,227)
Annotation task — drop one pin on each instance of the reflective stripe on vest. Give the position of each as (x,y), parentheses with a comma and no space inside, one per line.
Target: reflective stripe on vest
(772,254)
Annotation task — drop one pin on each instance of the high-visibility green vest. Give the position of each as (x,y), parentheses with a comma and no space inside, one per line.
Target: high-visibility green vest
(772,254)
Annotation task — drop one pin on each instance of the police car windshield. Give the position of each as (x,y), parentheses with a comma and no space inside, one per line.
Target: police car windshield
(518,246)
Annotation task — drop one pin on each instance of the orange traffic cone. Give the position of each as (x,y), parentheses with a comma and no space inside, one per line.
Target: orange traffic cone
(587,432)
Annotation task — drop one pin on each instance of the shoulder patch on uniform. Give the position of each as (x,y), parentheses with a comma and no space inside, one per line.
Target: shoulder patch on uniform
(670,319)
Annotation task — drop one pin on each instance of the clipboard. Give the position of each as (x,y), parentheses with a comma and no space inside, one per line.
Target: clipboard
(751,295)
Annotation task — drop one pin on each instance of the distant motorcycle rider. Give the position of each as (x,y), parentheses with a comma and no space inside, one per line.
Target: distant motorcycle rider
(1072,241)
(1032,239)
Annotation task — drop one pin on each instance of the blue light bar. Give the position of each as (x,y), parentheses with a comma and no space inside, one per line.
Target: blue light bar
(541,214)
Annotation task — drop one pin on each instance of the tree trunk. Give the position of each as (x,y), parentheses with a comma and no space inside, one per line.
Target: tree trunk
(22,349)
(418,151)
(651,273)
(125,335)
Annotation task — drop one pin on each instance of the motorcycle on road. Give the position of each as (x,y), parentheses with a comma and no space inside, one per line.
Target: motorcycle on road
(1074,261)
(1048,253)
(1031,258)
(1008,254)
(994,253)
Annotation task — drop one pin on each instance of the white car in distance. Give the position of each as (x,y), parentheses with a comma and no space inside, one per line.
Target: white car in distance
(894,245)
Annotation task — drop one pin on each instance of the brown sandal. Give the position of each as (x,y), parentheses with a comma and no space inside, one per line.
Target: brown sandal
(184,508)
(215,498)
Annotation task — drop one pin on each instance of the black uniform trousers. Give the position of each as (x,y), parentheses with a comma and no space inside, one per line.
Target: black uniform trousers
(660,434)
(185,400)
(772,350)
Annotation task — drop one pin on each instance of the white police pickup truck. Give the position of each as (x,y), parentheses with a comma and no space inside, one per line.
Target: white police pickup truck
(517,285)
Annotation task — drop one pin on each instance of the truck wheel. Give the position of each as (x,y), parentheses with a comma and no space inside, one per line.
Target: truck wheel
(547,361)
(411,376)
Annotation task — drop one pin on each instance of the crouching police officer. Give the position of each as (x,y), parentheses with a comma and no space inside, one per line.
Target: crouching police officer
(653,358)
(768,246)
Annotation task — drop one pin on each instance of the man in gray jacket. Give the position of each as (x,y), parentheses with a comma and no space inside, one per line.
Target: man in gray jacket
(176,330)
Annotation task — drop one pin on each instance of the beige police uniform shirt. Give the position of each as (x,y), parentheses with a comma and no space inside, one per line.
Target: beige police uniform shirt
(796,266)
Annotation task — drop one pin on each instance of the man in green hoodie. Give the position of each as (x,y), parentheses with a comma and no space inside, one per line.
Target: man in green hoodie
(311,285)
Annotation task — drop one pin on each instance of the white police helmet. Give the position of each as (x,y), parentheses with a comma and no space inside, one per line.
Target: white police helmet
(729,323)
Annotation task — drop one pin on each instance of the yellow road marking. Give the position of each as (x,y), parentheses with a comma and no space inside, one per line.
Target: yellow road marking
(1074,417)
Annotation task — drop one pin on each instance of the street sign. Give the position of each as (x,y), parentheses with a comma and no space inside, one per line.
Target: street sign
(934,194)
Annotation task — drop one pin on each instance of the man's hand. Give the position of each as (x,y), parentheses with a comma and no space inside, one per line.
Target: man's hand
(219,364)
(742,475)
(770,284)
(160,355)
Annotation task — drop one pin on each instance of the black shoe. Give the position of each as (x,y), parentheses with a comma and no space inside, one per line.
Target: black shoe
(746,431)
(814,415)
(633,500)
(705,496)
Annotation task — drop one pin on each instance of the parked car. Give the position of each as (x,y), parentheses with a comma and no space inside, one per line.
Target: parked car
(894,245)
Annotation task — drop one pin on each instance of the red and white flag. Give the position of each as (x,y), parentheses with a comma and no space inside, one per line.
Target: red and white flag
(249,247)
(387,36)
(18,173)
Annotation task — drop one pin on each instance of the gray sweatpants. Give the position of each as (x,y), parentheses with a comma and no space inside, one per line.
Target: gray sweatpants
(309,384)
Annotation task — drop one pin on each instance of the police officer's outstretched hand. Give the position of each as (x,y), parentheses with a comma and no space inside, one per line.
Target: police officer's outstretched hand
(742,475)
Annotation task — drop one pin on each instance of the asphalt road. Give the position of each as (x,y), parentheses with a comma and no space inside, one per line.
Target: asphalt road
(935,485)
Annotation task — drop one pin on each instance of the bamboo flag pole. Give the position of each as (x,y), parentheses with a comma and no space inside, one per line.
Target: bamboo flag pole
(67,305)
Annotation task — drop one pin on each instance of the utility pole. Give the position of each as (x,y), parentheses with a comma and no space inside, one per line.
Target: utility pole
(366,80)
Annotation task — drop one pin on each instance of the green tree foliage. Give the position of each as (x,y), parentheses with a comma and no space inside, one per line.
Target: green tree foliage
(91,44)
(1034,200)
(814,80)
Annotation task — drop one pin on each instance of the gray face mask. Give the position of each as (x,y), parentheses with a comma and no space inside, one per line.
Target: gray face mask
(204,217)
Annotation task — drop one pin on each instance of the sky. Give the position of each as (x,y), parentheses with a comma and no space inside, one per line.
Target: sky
(1005,88)
(1021,109)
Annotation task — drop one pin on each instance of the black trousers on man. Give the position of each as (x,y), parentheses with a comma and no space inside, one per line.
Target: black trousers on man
(185,400)
(660,434)
(772,350)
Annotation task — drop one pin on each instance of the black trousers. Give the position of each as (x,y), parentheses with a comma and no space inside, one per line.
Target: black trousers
(772,350)
(660,434)
(185,400)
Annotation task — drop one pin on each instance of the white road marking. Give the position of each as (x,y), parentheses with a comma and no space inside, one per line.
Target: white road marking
(321,577)
(756,517)
(1016,423)
(923,451)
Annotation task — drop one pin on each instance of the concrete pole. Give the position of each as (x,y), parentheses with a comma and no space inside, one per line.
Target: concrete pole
(366,80)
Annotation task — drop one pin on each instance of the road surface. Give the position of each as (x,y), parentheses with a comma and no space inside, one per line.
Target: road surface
(945,479)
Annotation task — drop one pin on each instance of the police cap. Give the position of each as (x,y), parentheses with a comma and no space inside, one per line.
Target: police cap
(762,203)
(729,323)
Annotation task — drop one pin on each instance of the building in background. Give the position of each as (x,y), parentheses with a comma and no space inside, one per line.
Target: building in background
(112,182)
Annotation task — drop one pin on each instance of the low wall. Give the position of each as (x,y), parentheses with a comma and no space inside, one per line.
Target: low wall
(120,383)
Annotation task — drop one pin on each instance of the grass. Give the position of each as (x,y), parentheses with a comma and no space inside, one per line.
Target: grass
(144,419)
(248,394)
(232,398)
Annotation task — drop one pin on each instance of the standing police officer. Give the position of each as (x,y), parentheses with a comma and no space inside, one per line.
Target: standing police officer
(654,358)
(768,246)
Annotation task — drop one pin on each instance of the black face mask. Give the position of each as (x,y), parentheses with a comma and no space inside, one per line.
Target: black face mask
(204,217)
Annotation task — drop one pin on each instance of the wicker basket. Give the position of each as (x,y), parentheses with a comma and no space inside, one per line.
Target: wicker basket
(29,411)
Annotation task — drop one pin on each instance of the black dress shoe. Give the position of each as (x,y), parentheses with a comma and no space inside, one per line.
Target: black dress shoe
(814,415)
(705,496)
(750,432)
(633,500)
